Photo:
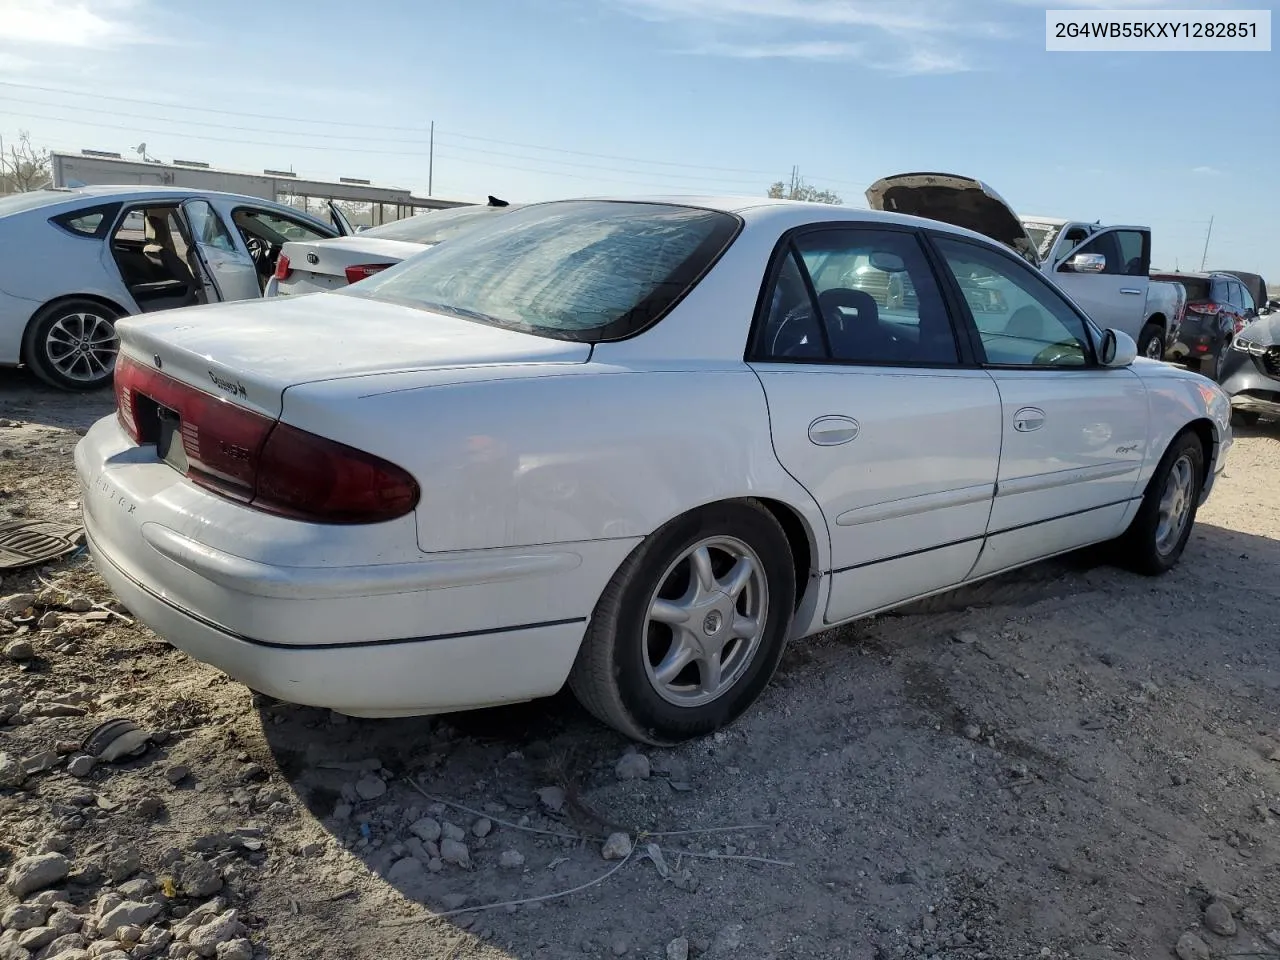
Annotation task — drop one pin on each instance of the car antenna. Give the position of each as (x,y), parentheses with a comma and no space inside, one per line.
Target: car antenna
(495,202)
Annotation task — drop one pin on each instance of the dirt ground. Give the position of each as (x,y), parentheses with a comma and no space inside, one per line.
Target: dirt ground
(1070,761)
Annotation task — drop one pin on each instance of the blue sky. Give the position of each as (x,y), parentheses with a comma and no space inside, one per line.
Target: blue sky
(536,99)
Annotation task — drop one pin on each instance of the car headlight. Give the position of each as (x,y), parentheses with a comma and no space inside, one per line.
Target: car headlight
(1245,345)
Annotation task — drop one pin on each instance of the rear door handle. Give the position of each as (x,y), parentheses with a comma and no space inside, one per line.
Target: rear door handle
(1028,419)
(1132,290)
(833,431)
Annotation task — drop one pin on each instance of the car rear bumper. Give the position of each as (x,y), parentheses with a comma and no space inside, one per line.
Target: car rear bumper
(352,618)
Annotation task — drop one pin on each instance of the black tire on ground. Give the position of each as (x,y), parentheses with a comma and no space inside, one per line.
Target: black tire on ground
(1151,338)
(63,326)
(611,677)
(1141,549)
(1245,418)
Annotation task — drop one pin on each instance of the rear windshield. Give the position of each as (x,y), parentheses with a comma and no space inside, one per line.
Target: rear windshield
(22,202)
(432,228)
(586,270)
(1197,288)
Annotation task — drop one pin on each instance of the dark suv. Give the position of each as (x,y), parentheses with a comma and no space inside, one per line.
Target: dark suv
(1218,307)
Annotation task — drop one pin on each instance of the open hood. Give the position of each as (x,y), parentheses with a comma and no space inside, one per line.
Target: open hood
(960,201)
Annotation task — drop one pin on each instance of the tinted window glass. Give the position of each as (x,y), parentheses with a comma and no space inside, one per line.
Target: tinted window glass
(90,222)
(1021,320)
(789,329)
(877,299)
(1133,256)
(429,228)
(1107,245)
(275,229)
(574,270)
(1246,299)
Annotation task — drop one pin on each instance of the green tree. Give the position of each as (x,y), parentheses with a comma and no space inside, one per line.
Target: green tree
(798,189)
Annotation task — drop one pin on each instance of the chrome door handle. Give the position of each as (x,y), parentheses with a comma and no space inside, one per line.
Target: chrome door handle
(1028,419)
(833,431)
(1130,290)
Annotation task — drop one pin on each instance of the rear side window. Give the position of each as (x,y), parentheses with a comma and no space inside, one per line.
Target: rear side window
(1221,291)
(90,222)
(582,270)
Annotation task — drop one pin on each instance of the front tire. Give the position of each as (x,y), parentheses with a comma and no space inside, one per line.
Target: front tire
(72,345)
(691,628)
(1159,532)
(1151,342)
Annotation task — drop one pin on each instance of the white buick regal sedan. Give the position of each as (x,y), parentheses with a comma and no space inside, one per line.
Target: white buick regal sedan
(638,445)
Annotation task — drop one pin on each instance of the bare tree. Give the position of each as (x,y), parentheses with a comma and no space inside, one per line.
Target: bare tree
(797,189)
(24,167)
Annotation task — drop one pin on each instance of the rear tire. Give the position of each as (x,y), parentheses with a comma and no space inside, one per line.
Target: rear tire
(1158,534)
(668,655)
(71,345)
(1151,342)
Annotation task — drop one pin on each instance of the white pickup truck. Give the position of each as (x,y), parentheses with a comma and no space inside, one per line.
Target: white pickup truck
(1106,270)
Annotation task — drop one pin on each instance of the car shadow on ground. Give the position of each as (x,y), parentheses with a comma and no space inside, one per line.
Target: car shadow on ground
(25,398)
(869,784)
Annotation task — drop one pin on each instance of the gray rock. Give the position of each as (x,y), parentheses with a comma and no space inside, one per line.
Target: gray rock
(49,621)
(620,947)
(19,650)
(176,773)
(482,827)
(616,847)
(407,873)
(511,860)
(64,922)
(23,916)
(9,950)
(455,852)
(729,938)
(435,865)
(451,831)
(1191,947)
(632,766)
(426,829)
(199,879)
(37,937)
(12,774)
(30,874)
(123,864)
(81,766)
(370,787)
(1217,917)
(417,849)
(136,889)
(131,913)
(238,949)
(80,605)
(678,949)
(108,902)
(16,603)
(453,901)
(552,798)
(972,732)
(226,926)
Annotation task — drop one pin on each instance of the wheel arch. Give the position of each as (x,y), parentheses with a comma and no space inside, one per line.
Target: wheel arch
(1204,429)
(1160,320)
(39,312)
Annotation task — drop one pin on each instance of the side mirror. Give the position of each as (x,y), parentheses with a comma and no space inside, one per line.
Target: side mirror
(1086,263)
(1117,349)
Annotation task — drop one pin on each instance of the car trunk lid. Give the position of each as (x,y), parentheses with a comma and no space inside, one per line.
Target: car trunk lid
(331,258)
(958,200)
(250,352)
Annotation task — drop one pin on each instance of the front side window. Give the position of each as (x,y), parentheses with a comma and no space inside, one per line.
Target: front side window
(207,227)
(582,270)
(1134,260)
(274,228)
(1026,323)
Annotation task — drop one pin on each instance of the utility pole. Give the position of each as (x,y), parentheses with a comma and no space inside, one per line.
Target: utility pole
(431,159)
(1208,233)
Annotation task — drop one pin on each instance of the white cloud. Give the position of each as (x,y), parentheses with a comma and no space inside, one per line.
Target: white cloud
(84,23)
(1206,171)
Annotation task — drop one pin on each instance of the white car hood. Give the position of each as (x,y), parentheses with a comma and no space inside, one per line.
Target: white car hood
(251,351)
(958,200)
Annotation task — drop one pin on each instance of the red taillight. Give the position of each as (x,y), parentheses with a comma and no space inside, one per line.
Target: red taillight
(282,268)
(1204,306)
(259,461)
(361,271)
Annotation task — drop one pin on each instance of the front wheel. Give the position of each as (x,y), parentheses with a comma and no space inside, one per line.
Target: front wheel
(1159,532)
(72,345)
(1151,342)
(691,628)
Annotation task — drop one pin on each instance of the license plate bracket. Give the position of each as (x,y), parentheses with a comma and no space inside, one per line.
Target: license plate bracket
(169,444)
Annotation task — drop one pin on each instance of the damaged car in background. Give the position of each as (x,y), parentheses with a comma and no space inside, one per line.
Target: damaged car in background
(76,260)
(1104,269)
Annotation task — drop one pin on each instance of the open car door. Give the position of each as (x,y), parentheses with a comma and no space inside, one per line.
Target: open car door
(229,274)
(340,221)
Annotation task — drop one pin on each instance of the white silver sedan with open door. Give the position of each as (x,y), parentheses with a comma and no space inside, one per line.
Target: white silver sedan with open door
(74,261)
(634,445)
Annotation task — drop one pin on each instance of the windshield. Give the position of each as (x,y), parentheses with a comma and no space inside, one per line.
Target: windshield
(1042,235)
(432,228)
(582,270)
(21,202)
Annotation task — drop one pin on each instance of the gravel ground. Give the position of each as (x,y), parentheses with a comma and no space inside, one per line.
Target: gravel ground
(1066,762)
